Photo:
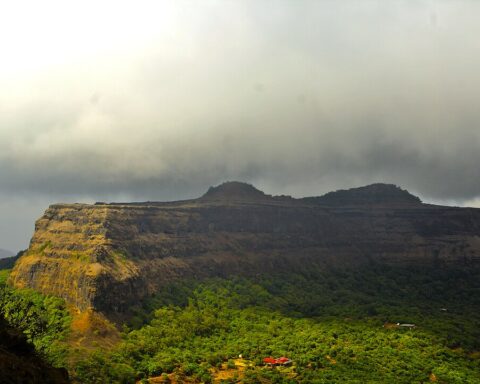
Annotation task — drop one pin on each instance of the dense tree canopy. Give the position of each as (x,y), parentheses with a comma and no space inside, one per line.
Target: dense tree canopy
(338,326)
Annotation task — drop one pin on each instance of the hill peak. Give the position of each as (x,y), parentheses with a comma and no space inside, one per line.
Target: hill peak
(378,193)
(234,190)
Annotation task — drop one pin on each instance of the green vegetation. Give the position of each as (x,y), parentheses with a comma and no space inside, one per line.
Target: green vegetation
(9,262)
(44,246)
(83,258)
(43,319)
(4,273)
(330,322)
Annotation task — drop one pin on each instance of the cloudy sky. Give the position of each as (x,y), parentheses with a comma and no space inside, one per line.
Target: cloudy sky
(135,100)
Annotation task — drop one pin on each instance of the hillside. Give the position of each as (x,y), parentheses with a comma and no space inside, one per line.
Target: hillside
(111,256)
(9,262)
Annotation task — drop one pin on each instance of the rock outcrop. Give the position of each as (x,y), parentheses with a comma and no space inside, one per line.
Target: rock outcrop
(110,256)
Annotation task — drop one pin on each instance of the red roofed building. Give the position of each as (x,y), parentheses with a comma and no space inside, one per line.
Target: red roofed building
(270,360)
(284,360)
(280,361)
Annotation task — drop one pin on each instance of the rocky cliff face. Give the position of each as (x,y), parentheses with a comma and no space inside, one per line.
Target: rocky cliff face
(109,256)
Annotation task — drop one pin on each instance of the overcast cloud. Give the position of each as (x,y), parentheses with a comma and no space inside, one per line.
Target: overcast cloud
(158,100)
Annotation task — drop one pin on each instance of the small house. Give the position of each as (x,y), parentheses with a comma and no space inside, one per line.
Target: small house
(284,360)
(280,361)
(270,361)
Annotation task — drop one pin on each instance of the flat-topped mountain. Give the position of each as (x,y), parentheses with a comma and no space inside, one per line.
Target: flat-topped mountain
(109,256)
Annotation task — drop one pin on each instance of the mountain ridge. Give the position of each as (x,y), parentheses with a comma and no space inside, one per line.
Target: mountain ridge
(108,256)
(377,193)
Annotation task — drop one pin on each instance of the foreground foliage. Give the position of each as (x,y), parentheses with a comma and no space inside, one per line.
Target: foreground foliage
(43,319)
(329,322)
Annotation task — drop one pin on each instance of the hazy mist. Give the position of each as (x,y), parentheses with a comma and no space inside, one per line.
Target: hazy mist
(158,100)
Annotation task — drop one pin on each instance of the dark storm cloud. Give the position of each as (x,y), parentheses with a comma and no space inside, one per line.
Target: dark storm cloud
(295,97)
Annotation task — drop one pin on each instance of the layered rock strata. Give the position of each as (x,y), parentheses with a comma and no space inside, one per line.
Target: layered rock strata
(110,256)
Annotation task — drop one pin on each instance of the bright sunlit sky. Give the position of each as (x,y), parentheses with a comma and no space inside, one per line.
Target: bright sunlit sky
(158,100)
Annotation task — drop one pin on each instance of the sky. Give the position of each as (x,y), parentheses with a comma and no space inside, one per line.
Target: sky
(158,100)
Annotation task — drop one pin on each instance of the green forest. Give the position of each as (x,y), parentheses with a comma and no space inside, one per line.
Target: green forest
(337,325)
